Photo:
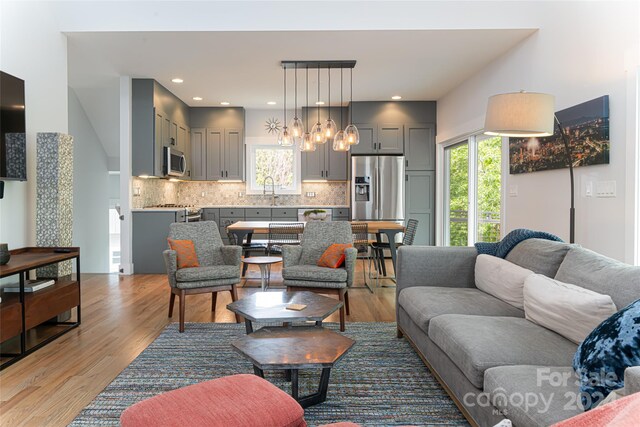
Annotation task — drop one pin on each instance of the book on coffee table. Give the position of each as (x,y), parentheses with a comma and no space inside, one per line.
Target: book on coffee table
(29,286)
(296,307)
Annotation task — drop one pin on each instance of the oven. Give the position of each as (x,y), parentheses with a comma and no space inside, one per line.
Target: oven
(193,215)
(175,163)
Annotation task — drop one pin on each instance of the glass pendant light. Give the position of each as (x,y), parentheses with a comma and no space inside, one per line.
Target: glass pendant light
(284,138)
(339,140)
(351,132)
(317,131)
(306,143)
(296,127)
(330,127)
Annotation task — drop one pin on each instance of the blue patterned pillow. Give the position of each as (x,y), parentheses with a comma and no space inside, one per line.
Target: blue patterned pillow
(608,350)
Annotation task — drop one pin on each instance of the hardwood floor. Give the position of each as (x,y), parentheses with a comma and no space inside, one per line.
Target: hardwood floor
(120,318)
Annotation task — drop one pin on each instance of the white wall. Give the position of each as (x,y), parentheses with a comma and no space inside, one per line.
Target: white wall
(582,51)
(33,49)
(90,191)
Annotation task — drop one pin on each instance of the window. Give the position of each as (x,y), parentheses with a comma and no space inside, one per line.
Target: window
(473,191)
(271,160)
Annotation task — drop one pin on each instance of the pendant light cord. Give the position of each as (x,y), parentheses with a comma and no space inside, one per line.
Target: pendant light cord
(295,79)
(318,94)
(284,107)
(340,98)
(329,100)
(351,98)
(306,111)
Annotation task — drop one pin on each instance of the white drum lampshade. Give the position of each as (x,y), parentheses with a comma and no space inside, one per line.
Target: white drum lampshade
(520,114)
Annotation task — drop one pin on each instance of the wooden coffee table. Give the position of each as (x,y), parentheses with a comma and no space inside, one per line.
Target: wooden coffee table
(294,348)
(271,307)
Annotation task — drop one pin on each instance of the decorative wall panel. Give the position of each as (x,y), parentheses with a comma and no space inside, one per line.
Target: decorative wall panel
(54,201)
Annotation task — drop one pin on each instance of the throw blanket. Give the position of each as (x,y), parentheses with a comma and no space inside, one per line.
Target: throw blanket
(504,246)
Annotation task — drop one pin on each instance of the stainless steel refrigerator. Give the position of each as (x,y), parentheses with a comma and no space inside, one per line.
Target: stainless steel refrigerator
(377,188)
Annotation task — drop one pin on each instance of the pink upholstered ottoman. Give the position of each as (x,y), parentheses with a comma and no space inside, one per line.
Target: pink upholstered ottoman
(237,400)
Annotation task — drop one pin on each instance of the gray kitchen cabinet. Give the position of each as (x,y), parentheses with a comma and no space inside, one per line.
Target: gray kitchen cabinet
(181,138)
(284,214)
(368,139)
(390,138)
(419,204)
(198,154)
(214,148)
(313,163)
(187,153)
(156,117)
(324,163)
(211,214)
(149,238)
(233,154)
(420,146)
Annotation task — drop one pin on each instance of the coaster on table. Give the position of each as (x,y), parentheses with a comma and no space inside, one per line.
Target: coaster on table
(296,307)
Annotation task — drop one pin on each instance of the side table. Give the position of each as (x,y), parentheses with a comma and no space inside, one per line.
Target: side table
(264,262)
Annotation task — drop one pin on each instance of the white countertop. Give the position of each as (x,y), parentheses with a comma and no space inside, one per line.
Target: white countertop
(276,207)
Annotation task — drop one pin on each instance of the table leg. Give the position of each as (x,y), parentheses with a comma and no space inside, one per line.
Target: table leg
(257,371)
(294,383)
(391,235)
(263,276)
(382,265)
(240,235)
(249,326)
(315,398)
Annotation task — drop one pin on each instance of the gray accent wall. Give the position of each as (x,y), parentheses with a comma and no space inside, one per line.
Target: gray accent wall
(90,191)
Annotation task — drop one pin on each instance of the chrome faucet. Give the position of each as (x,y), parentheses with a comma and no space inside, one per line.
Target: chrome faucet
(273,189)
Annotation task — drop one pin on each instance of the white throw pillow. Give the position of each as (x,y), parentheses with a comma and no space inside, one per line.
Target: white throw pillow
(569,310)
(502,279)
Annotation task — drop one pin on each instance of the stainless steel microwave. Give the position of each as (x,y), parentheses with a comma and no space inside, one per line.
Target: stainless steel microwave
(174,162)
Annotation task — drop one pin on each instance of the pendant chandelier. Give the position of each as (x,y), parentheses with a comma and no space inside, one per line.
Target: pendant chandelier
(307,139)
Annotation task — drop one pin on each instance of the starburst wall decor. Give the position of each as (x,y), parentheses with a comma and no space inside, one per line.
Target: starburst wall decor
(273,125)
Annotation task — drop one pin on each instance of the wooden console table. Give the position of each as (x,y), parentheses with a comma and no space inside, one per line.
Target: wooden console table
(22,311)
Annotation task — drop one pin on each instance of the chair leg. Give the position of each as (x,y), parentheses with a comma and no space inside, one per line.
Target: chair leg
(399,333)
(234,297)
(244,269)
(172,299)
(183,296)
(346,302)
(214,299)
(341,294)
(364,272)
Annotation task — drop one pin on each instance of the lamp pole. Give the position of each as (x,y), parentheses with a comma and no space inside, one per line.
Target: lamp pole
(572,209)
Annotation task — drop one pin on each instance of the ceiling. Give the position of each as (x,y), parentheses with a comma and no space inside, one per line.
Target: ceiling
(243,68)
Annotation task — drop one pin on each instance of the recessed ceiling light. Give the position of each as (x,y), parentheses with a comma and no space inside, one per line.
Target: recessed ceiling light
(177,80)
(319,102)
(197,98)
(224,103)
(396,97)
(271,103)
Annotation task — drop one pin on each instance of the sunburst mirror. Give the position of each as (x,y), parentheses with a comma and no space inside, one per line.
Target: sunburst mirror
(273,125)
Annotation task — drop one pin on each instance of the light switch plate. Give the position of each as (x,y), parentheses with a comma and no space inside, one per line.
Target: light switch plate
(513,191)
(606,189)
(311,194)
(136,191)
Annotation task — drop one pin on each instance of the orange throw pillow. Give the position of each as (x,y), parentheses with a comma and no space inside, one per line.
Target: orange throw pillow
(333,257)
(186,251)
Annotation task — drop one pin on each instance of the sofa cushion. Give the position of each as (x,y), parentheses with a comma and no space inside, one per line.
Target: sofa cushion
(533,395)
(422,303)
(502,279)
(477,343)
(314,273)
(213,272)
(570,310)
(538,255)
(604,275)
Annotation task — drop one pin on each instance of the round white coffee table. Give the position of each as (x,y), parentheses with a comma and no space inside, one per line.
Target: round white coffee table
(264,262)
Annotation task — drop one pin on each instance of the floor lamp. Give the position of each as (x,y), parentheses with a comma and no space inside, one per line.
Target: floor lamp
(527,114)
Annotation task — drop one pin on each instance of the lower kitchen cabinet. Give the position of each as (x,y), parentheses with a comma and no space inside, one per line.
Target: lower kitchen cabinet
(150,231)
(419,204)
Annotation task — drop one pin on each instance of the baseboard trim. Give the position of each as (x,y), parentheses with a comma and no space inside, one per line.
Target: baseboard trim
(444,385)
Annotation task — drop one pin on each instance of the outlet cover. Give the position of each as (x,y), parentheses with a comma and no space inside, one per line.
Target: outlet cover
(311,194)
(606,189)
(513,191)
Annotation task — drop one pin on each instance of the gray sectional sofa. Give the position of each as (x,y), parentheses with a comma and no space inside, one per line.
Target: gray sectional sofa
(493,362)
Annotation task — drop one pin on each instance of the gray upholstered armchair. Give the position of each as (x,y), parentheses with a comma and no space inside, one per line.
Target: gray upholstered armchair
(219,265)
(300,270)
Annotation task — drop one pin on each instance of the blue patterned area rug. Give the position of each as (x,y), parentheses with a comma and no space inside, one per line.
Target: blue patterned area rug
(381,381)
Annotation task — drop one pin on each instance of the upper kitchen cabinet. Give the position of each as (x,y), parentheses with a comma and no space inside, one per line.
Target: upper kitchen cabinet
(159,120)
(325,163)
(387,127)
(420,146)
(217,143)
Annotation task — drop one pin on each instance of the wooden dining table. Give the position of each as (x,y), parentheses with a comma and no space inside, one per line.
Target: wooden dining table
(246,229)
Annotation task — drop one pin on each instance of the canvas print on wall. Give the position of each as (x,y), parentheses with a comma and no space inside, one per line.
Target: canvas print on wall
(587,126)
